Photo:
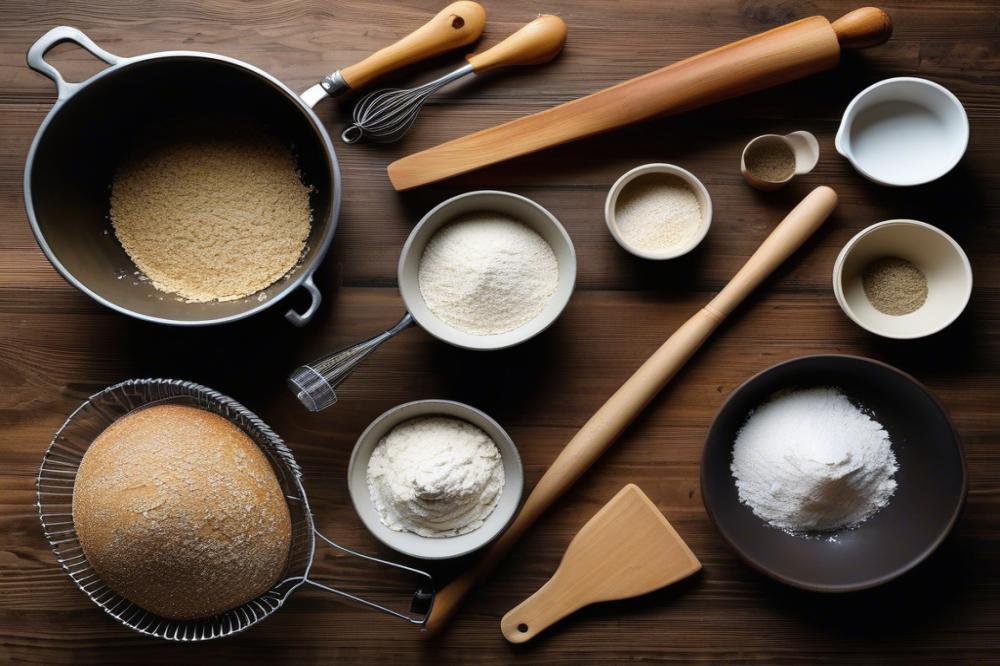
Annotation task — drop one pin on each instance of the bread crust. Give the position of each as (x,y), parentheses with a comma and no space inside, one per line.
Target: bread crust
(180,512)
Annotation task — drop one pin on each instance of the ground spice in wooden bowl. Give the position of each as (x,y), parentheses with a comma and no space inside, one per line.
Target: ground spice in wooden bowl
(894,286)
(211,213)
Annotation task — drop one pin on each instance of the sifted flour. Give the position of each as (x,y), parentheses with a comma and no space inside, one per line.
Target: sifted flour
(436,476)
(486,274)
(810,460)
(657,212)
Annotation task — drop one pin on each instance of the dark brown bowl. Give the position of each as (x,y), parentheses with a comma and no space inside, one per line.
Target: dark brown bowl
(921,513)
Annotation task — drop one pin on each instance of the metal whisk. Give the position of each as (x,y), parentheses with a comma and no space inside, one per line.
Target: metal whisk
(386,115)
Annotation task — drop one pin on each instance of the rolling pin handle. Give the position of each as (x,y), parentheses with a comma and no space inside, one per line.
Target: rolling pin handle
(864,27)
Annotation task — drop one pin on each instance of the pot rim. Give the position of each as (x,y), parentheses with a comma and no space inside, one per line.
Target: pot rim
(314,257)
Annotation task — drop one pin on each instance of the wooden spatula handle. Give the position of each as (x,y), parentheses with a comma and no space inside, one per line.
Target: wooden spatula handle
(597,434)
(456,25)
(537,613)
(535,43)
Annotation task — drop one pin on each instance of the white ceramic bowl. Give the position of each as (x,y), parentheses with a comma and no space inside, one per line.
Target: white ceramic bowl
(903,131)
(513,205)
(935,253)
(429,548)
(696,185)
(804,147)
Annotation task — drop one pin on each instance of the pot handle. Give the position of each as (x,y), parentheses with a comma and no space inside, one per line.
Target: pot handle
(302,319)
(64,33)
(420,604)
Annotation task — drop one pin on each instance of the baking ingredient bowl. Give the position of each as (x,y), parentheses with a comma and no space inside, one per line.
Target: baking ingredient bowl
(435,548)
(512,205)
(935,253)
(699,189)
(80,143)
(315,384)
(802,146)
(57,476)
(929,496)
(903,131)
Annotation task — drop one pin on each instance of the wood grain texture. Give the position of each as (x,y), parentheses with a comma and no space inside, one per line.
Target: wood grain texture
(57,347)
(626,404)
(786,53)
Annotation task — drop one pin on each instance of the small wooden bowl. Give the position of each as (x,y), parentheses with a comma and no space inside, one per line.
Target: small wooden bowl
(929,497)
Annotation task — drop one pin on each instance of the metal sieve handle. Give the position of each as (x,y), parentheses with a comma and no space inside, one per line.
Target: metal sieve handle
(315,384)
(423,598)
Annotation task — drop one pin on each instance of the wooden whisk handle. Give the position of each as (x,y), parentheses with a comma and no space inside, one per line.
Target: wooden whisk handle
(535,43)
(456,25)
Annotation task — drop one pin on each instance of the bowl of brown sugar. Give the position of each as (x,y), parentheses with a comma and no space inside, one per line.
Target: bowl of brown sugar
(902,279)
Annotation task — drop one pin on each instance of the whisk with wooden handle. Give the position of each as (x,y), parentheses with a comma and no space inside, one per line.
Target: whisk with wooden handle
(603,428)
(770,58)
(386,115)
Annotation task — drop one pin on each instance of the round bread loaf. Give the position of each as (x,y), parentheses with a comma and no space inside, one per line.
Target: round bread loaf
(179,511)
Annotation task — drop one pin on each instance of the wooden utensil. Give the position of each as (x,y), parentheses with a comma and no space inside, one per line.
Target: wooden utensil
(456,25)
(628,548)
(387,115)
(777,56)
(597,434)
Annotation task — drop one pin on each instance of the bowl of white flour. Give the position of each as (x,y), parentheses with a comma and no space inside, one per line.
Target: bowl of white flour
(487,270)
(435,479)
(833,473)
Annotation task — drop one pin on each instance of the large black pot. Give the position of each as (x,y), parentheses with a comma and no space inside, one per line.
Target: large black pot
(73,156)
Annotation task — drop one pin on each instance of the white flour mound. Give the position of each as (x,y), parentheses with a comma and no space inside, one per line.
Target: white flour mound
(810,460)
(486,274)
(435,476)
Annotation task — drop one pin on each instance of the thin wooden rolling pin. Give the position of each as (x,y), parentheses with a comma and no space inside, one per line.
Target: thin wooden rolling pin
(597,434)
(777,56)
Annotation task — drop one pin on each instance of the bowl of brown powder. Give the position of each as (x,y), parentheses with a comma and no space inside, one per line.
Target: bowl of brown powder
(902,279)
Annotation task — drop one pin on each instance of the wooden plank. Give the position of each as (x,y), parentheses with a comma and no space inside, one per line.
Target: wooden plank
(57,347)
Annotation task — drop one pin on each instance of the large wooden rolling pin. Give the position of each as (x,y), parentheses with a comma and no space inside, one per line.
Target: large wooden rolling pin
(597,434)
(777,56)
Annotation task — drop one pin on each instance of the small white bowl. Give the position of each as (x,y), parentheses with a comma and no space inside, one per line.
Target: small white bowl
(429,548)
(696,185)
(804,147)
(935,253)
(520,208)
(903,131)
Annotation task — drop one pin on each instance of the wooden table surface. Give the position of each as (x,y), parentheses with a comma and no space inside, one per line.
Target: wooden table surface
(57,347)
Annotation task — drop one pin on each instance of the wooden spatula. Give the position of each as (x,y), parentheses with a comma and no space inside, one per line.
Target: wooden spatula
(627,549)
